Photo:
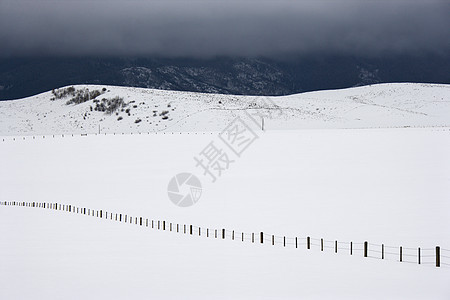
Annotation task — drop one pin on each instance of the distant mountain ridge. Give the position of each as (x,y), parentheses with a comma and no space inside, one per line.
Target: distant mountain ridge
(22,77)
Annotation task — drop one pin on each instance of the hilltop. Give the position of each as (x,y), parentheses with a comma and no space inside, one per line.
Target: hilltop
(112,109)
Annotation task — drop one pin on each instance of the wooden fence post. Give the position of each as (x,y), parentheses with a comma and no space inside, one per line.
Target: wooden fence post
(351,248)
(382,251)
(164,225)
(232,235)
(273,240)
(199,231)
(223,233)
(262,237)
(253,237)
(190,229)
(335,246)
(296,243)
(438,256)
(140,221)
(366,248)
(401,253)
(284,241)
(308,243)
(418,255)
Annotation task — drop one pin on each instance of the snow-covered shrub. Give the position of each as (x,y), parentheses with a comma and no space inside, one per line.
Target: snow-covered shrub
(109,106)
(114,104)
(62,93)
(81,96)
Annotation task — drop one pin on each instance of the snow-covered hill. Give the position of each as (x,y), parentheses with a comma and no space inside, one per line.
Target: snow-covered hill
(147,110)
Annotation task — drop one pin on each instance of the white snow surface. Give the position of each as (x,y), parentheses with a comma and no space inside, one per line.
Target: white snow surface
(381,185)
(382,105)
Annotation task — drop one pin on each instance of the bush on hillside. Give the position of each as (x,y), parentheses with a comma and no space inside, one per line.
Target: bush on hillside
(109,106)
(62,93)
(84,95)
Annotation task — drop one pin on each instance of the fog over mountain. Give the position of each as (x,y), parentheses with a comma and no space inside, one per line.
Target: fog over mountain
(233,47)
(224,28)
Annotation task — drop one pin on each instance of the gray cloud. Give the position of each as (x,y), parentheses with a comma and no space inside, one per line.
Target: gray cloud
(209,28)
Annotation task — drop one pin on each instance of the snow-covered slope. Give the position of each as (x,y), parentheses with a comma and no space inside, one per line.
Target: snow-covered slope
(384,105)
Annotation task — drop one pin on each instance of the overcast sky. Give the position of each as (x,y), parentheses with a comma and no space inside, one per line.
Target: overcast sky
(214,27)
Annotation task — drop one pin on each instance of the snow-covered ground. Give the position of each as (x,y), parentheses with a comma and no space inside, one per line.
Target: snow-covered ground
(382,185)
(379,185)
(382,105)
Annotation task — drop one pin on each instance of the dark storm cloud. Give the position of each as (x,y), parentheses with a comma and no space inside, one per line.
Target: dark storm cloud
(207,28)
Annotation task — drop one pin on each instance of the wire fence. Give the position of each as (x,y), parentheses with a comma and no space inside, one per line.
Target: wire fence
(53,136)
(165,131)
(435,256)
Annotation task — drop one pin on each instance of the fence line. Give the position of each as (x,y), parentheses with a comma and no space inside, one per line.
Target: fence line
(427,256)
(44,136)
(5,138)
